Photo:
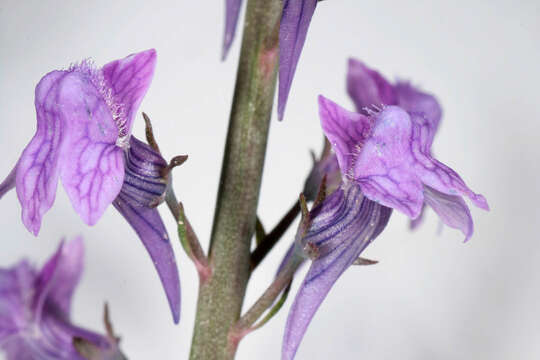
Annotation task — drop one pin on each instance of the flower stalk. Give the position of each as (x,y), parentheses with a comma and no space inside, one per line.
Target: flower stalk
(221,296)
(187,236)
(271,239)
(281,284)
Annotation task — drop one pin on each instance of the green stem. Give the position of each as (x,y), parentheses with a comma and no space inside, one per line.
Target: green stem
(281,282)
(222,294)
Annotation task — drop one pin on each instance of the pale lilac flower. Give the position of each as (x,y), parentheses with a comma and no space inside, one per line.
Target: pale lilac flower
(83,137)
(368,89)
(295,20)
(385,164)
(388,155)
(35,310)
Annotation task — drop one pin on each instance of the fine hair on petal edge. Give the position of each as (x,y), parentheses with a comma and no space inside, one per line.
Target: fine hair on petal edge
(88,69)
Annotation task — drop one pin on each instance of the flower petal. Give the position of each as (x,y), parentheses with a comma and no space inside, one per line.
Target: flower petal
(451,209)
(232,11)
(413,100)
(345,130)
(415,223)
(395,163)
(14,283)
(59,277)
(434,173)
(39,165)
(367,87)
(293,30)
(342,227)
(92,164)
(129,78)
(384,167)
(52,340)
(150,228)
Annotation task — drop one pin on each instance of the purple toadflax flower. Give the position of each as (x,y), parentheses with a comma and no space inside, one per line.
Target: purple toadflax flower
(294,25)
(386,164)
(369,88)
(35,311)
(84,121)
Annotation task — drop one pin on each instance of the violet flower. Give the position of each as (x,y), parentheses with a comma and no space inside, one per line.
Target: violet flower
(369,88)
(84,121)
(35,310)
(388,155)
(294,25)
(385,164)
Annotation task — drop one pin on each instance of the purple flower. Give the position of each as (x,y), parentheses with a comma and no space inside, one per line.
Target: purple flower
(35,310)
(368,88)
(84,121)
(385,164)
(294,25)
(388,155)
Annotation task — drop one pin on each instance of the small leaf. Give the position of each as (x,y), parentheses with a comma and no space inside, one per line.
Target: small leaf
(303,206)
(364,261)
(275,309)
(322,192)
(150,133)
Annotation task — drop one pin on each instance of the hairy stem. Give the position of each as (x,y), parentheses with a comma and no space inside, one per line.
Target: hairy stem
(221,296)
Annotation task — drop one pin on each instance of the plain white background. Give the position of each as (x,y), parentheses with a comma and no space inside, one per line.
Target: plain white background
(431,296)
